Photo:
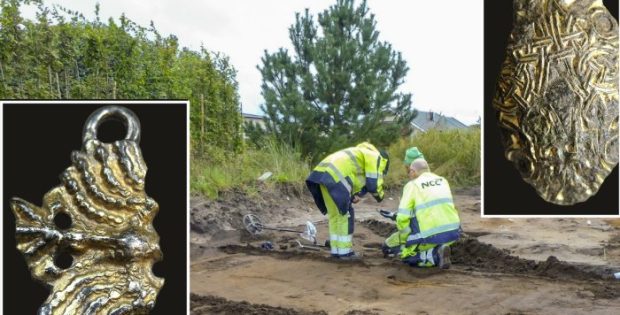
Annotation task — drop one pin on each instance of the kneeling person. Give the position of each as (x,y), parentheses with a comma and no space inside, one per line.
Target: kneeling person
(427,220)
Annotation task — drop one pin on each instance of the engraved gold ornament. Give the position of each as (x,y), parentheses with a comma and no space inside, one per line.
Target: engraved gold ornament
(107,230)
(557,97)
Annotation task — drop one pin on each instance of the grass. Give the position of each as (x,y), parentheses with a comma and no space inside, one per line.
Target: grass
(209,177)
(453,154)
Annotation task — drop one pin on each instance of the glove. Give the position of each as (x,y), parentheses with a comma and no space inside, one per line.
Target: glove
(388,214)
(388,252)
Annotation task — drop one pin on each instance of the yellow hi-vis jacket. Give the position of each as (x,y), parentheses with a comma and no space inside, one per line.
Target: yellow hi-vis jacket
(426,211)
(355,170)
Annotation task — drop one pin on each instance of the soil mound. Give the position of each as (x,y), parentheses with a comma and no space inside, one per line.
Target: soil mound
(471,252)
(468,251)
(470,191)
(219,306)
(286,254)
(380,228)
(216,217)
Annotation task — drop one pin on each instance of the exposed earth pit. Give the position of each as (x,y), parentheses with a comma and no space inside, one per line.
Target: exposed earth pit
(232,274)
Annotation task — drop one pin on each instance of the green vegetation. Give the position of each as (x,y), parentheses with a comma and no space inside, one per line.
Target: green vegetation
(335,90)
(210,177)
(337,86)
(62,55)
(453,154)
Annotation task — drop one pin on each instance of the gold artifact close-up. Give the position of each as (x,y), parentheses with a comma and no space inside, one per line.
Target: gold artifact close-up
(557,97)
(92,241)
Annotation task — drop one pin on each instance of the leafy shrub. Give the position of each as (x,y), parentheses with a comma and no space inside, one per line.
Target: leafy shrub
(453,154)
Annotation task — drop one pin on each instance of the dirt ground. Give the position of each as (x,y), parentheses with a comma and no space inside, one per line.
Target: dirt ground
(501,266)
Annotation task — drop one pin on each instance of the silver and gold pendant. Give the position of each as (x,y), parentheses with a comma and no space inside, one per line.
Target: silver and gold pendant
(557,97)
(92,241)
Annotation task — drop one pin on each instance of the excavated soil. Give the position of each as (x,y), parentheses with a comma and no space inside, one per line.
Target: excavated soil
(218,306)
(469,251)
(379,227)
(212,305)
(497,268)
(211,217)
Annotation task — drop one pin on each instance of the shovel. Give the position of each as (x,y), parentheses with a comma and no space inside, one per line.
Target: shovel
(310,247)
(254,226)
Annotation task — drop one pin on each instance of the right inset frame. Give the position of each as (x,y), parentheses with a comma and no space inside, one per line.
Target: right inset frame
(551,108)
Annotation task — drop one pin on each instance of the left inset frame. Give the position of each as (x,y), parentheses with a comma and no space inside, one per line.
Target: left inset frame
(38,139)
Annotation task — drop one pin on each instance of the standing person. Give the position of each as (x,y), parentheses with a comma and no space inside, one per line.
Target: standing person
(338,182)
(427,220)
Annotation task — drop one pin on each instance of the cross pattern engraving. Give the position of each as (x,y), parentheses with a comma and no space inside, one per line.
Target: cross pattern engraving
(557,98)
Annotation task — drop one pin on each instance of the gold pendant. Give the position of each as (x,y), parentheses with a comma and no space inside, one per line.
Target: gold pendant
(93,241)
(557,97)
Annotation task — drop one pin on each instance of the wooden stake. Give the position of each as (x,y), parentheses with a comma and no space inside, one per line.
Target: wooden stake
(51,84)
(77,70)
(2,75)
(58,86)
(67,88)
(1,72)
(202,117)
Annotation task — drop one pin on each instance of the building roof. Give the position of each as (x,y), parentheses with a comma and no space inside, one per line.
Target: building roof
(422,122)
(252,116)
(429,120)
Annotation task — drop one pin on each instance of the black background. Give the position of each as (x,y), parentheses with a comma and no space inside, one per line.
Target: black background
(505,193)
(38,141)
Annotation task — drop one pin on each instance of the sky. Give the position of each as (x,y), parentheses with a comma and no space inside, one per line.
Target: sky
(441,42)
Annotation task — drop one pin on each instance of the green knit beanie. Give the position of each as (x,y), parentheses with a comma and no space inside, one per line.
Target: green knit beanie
(412,154)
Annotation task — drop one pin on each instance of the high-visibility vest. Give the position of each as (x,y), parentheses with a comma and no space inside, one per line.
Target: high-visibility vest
(348,172)
(427,211)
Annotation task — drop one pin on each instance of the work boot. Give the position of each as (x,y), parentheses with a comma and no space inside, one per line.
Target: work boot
(353,257)
(444,257)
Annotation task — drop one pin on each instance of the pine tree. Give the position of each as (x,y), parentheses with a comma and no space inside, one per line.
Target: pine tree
(339,86)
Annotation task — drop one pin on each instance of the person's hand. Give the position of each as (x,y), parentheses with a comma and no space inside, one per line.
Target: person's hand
(388,252)
(355,199)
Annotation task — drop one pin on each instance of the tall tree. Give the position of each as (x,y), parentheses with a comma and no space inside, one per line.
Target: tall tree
(340,84)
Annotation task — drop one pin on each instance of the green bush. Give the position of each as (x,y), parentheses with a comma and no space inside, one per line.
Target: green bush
(63,55)
(453,154)
(211,176)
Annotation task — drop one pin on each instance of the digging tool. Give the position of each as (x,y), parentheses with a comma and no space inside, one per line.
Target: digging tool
(387,214)
(314,245)
(310,247)
(254,225)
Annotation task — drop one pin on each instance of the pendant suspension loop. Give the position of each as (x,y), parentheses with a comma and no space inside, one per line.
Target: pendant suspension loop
(126,116)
